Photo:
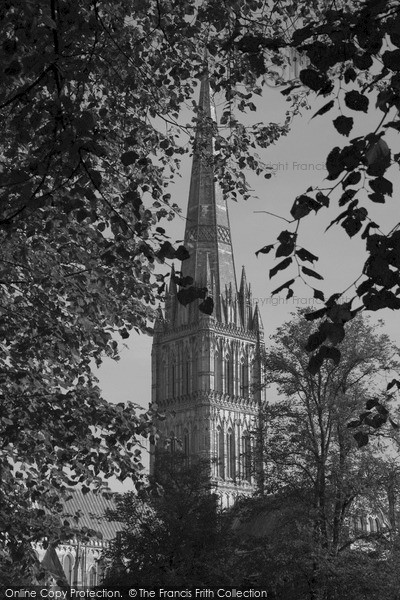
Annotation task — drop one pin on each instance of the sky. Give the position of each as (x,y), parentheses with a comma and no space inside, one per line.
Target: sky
(297,162)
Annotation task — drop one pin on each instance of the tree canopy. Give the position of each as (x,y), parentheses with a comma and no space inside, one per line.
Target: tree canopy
(173,534)
(307,533)
(91,101)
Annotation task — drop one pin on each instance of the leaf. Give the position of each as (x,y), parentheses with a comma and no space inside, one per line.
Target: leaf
(364,287)
(315,340)
(353,424)
(128,158)
(340,313)
(361,438)
(96,178)
(304,254)
(207,306)
(322,199)
(353,223)
(311,273)
(282,287)
(391,59)
(349,75)
(382,410)
(394,382)
(302,206)
(394,125)
(314,364)
(335,333)
(290,294)
(371,403)
(343,124)
(313,79)
(317,314)
(334,165)
(282,265)
(166,250)
(365,234)
(352,179)
(318,295)
(381,185)
(356,101)
(346,197)
(330,353)
(376,300)
(363,61)
(378,158)
(181,253)
(376,421)
(183,281)
(265,250)
(188,295)
(327,107)
(287,243)
(377,198)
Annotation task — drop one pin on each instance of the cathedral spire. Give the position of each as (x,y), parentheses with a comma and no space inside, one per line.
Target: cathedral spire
(208,234)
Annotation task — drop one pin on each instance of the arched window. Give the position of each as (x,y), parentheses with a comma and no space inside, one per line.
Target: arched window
(229,375)
(244,379)
(194,373)
(172,380)
(247,457)
(68,568)
(93,576)
(164,379)
(186,376)
(230,452)
(221,453)
(217,372)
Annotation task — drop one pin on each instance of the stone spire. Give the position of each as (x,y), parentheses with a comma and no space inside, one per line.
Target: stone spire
(208,234)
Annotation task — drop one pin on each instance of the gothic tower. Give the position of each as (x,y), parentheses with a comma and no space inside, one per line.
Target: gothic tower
(205,369)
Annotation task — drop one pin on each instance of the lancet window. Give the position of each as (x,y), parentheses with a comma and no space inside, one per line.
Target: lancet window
(229,388)
(217,372)
(220,453)
(244,379)
(246,457)
(230,451)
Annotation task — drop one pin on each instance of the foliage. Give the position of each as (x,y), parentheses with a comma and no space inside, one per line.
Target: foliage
(315,477)
(278,551)
(353,61)
(90,101)
(173,533)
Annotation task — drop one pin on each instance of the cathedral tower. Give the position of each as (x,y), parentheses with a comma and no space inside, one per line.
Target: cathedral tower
(206,369)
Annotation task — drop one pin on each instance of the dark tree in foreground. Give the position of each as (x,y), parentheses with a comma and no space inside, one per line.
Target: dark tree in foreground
(90,96)
(173,533)
(90,101)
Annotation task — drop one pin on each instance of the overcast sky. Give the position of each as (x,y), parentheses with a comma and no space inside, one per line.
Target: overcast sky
(298,161)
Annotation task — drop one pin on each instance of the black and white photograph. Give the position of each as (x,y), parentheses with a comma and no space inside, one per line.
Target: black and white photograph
(200,299)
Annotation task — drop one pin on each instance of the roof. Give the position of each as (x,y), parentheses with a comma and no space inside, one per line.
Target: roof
(91,509)
(207,234)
